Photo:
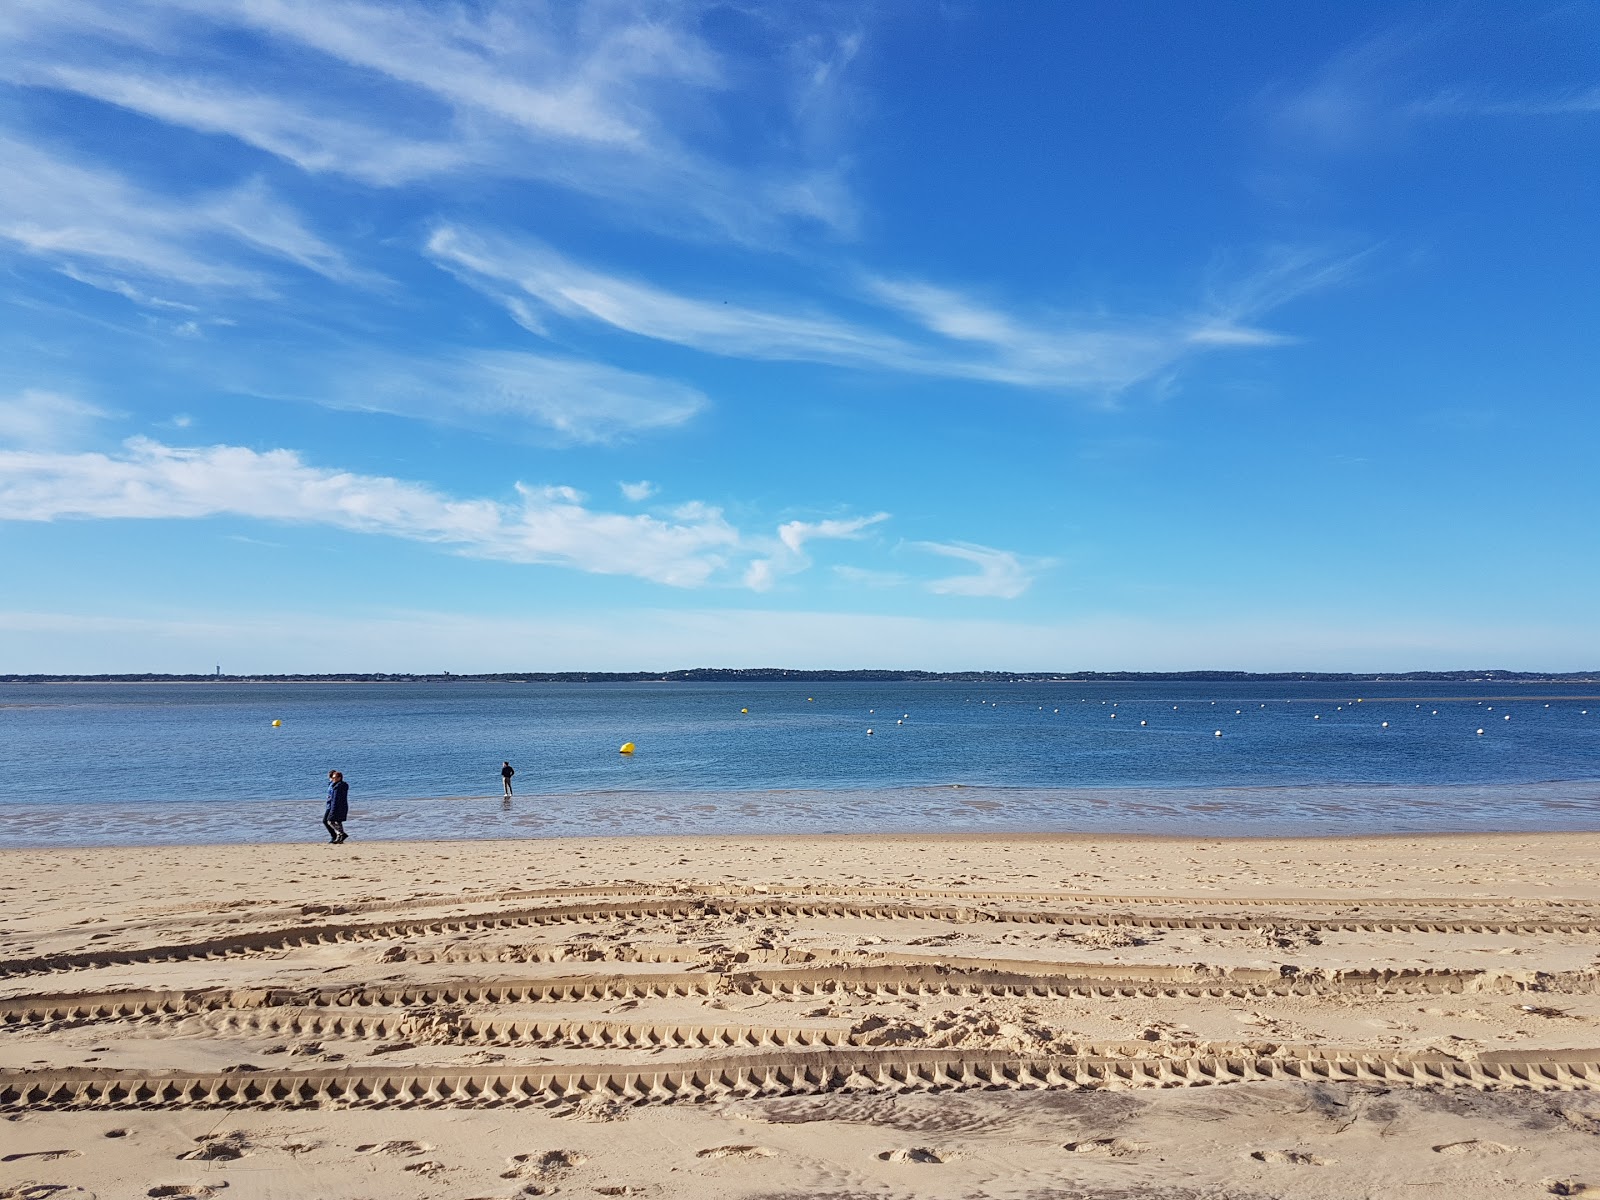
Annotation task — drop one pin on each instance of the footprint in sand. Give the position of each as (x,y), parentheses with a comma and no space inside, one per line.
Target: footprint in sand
(28,1190)
(397,1147)
(735,1152)
(1475,1147)
(427,1168)
(212,1148)
(917,1154)
(200,1190)
(1563,1187)
(625,1189)
(1297,1158)
(1110,1147)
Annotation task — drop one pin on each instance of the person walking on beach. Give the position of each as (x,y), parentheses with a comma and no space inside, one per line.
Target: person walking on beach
(506,773)
(333,817)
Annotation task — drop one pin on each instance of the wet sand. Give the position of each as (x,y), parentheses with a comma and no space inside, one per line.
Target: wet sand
(1025,1016)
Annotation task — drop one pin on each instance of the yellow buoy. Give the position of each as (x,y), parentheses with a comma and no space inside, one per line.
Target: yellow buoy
(627,748)
(744,710)
(275,724)
(809,700)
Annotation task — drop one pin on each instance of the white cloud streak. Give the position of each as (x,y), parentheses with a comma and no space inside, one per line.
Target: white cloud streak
(692,546)
(588,97)
(789,555)
(973,341)
(1001,574)
(579,401)
(637,492)
(517,270)
(42,418)
(75,217)
(1576,102)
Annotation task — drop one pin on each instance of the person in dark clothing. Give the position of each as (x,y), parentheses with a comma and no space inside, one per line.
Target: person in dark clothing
(505,777)
(333,817)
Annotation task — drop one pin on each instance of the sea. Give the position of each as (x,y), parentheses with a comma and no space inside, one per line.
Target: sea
(199,763)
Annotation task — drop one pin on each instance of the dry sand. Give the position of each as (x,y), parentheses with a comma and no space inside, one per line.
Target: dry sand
(1091,1017)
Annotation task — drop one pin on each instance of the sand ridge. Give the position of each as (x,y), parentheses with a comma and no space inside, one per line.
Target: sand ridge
(955,1019)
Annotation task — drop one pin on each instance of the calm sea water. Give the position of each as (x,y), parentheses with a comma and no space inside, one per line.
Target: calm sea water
(190,763)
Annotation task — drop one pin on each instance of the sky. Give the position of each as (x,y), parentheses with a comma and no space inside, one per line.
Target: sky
(343,336)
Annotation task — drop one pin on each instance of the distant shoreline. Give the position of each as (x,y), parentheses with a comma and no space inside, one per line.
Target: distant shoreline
(782,675)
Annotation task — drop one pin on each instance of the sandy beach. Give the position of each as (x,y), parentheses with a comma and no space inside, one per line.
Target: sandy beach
(1030,1017)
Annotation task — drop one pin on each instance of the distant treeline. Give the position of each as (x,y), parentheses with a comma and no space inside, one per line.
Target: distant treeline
(773,674)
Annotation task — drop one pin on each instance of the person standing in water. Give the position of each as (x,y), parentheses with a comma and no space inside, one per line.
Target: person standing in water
(333,817)
(506,773)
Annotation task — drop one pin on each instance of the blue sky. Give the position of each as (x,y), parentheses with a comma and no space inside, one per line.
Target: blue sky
(348,336)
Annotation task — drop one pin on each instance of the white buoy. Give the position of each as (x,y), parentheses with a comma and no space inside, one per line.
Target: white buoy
(1386,724)
(1508,716)
(1218,733)
(1144,722)
(869,732)
(1480,733)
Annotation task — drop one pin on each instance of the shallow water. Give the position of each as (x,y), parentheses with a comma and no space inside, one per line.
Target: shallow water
(118,763)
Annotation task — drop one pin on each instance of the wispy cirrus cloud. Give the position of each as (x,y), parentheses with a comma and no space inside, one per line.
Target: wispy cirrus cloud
(535,283)
(692,545)
(1460,103)
(1000,574)
(577,400)
(952,335)
(589,97)
(1377,88)
(36,417)
(97,227)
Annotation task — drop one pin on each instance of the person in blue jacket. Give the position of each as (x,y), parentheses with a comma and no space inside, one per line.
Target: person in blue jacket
(333,817)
